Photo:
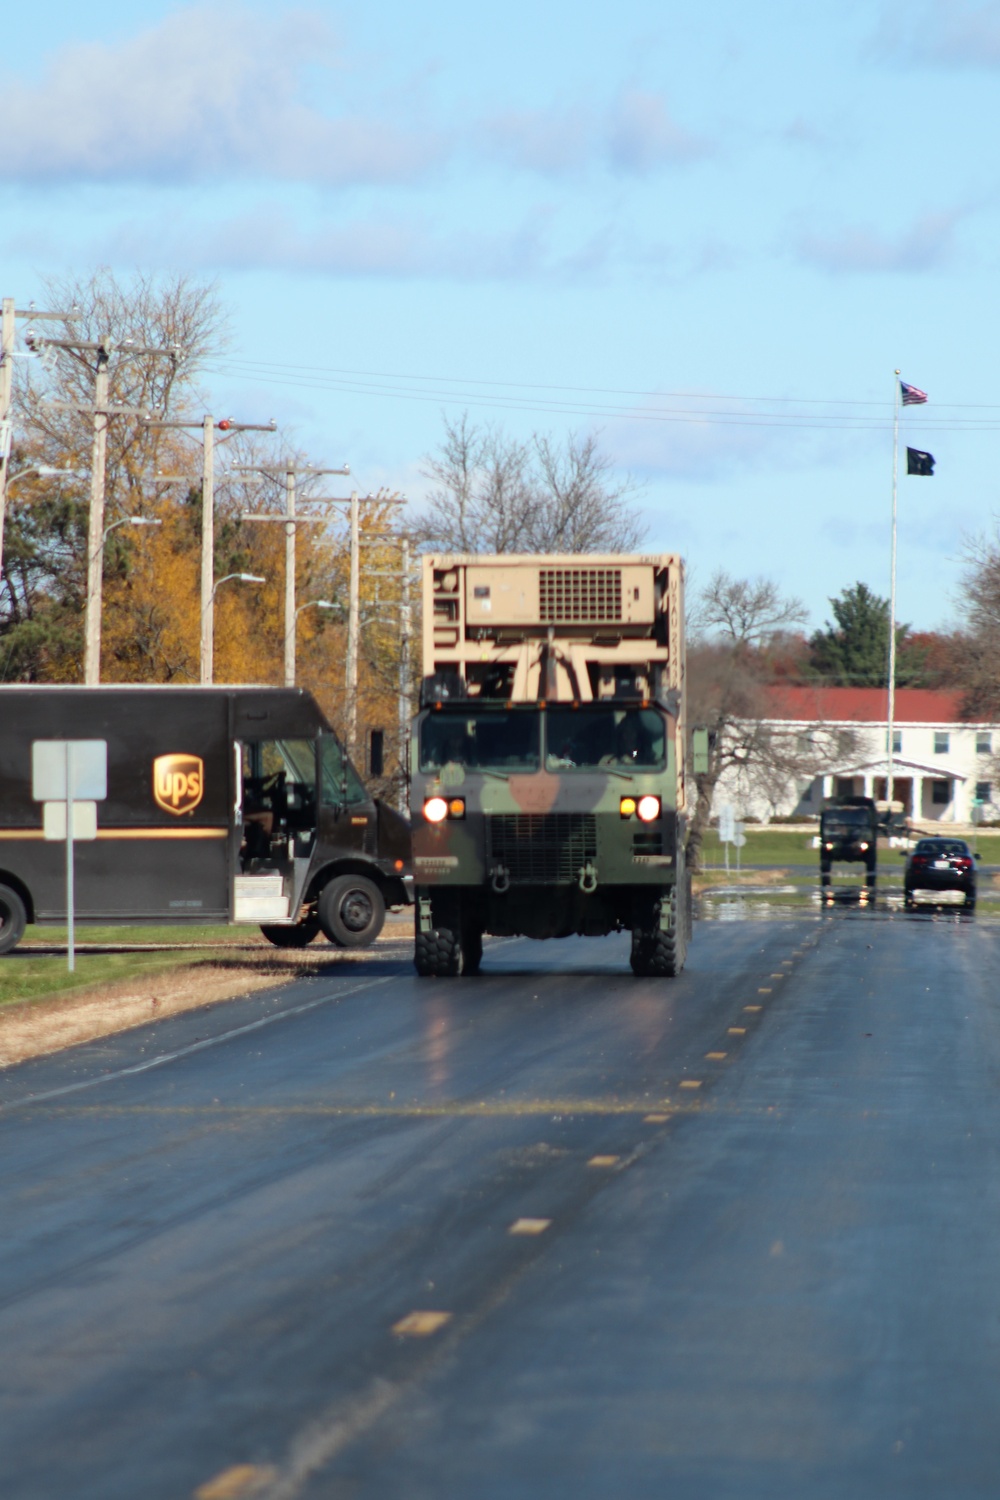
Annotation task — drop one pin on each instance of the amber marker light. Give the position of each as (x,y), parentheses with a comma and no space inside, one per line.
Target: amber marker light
(456,807)
(435,809)
(648,809)
(627,806)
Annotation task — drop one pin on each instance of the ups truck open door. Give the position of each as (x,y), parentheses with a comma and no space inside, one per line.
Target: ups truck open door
(223,805)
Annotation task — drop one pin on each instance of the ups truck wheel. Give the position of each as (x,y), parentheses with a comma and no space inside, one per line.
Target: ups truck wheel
(292,937)
(351,911)
(13,919)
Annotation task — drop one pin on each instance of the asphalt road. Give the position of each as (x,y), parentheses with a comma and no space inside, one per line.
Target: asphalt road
(760,1257)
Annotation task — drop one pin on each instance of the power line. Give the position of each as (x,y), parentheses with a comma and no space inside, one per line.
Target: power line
(303,377)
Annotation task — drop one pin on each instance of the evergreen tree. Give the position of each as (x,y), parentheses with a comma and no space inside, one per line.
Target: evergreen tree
(855,651)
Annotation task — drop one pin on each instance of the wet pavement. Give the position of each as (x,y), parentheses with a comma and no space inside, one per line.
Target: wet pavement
(552,1231)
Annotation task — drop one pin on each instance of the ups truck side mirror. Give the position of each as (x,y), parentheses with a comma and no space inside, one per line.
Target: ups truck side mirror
(699,752)
(376,752)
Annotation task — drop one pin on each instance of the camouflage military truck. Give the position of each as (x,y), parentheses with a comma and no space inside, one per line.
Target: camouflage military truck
(548,758)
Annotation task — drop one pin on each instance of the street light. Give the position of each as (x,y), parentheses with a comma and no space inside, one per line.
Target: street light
(290,654)
(208,668)
(129,521)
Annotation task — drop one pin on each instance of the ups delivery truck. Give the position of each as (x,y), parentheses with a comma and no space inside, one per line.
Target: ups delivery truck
(224,804)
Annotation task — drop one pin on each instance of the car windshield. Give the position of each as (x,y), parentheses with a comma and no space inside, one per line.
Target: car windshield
(595,738)
(942,848)
(485,741)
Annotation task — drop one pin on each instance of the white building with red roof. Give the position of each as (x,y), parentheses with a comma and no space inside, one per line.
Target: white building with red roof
(941,763)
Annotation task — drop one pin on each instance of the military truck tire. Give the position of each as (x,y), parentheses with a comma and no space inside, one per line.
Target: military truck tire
(351,911)
(472,949)
(298,936)
(13,919)
(659,954)
(437,954)
(688,909)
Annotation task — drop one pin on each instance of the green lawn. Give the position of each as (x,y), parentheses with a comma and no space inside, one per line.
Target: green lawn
(27,976)
(781,847)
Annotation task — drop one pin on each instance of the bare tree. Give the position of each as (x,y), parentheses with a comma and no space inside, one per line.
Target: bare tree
(494,494)
(739,627)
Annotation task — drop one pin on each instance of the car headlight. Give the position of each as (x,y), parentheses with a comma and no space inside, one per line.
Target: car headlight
(648,808)
(435,809)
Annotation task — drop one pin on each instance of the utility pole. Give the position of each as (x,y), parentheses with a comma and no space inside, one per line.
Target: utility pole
(289,520)
(101,410)
(404,677)
(8,326)
(208,425)
(95,525)
(353,622)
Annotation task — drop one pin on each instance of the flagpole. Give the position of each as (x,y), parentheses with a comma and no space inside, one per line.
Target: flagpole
(892,593)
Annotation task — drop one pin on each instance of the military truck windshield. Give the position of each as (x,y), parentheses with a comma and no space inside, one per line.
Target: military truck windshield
(847,817)
(602,738)
(481,741)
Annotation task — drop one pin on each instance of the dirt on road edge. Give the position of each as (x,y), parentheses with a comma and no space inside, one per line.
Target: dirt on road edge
(34,1028)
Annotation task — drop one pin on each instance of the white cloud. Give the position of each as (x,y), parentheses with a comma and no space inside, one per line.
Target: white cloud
(268,237)
(643,135)
(941,33)
(926,245)
(210,90)
(635,136)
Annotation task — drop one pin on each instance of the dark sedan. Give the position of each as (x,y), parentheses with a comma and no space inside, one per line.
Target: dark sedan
(939,865)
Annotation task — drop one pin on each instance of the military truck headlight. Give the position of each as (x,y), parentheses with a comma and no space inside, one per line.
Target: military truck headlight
(648,809)
(627,806)
(456,807)
(863,844)
(435,809)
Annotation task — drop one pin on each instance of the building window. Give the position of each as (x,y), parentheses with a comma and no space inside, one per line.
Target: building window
(897,741)
(984,742)
(807,795)
(983,791)
(940,793)
(941,743)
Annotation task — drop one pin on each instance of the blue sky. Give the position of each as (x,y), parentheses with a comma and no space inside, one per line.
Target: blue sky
(710,233)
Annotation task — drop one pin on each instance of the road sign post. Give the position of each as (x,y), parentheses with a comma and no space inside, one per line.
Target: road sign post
(69,778)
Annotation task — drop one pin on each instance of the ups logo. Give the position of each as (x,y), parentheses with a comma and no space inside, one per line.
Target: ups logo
(178,782)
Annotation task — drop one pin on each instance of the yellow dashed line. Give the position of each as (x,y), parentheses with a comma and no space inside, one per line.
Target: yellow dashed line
(656,1119)
(603,1161)
(690,1083)
(236,1482)
(715,1056)
(753,1008)
(529,1226)
(419,1325)
(737,1031)
(777,976)
(764,992)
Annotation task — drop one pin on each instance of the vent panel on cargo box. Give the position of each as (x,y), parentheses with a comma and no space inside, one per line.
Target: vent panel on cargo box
(580,596)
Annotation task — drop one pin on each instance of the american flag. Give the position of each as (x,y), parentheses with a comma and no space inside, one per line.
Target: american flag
(912,395)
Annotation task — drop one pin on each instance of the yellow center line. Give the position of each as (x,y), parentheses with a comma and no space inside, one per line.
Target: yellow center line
(236,1482)
(529,1226)
(420,1324)
(715,1056)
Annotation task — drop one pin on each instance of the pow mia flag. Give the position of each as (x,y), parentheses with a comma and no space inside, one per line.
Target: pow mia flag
(918,462)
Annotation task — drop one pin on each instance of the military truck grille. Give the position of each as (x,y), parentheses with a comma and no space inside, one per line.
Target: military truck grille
(580,596)
(536,847)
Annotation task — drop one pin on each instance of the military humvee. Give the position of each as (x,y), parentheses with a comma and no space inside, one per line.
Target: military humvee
(548,759)
(848,833)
